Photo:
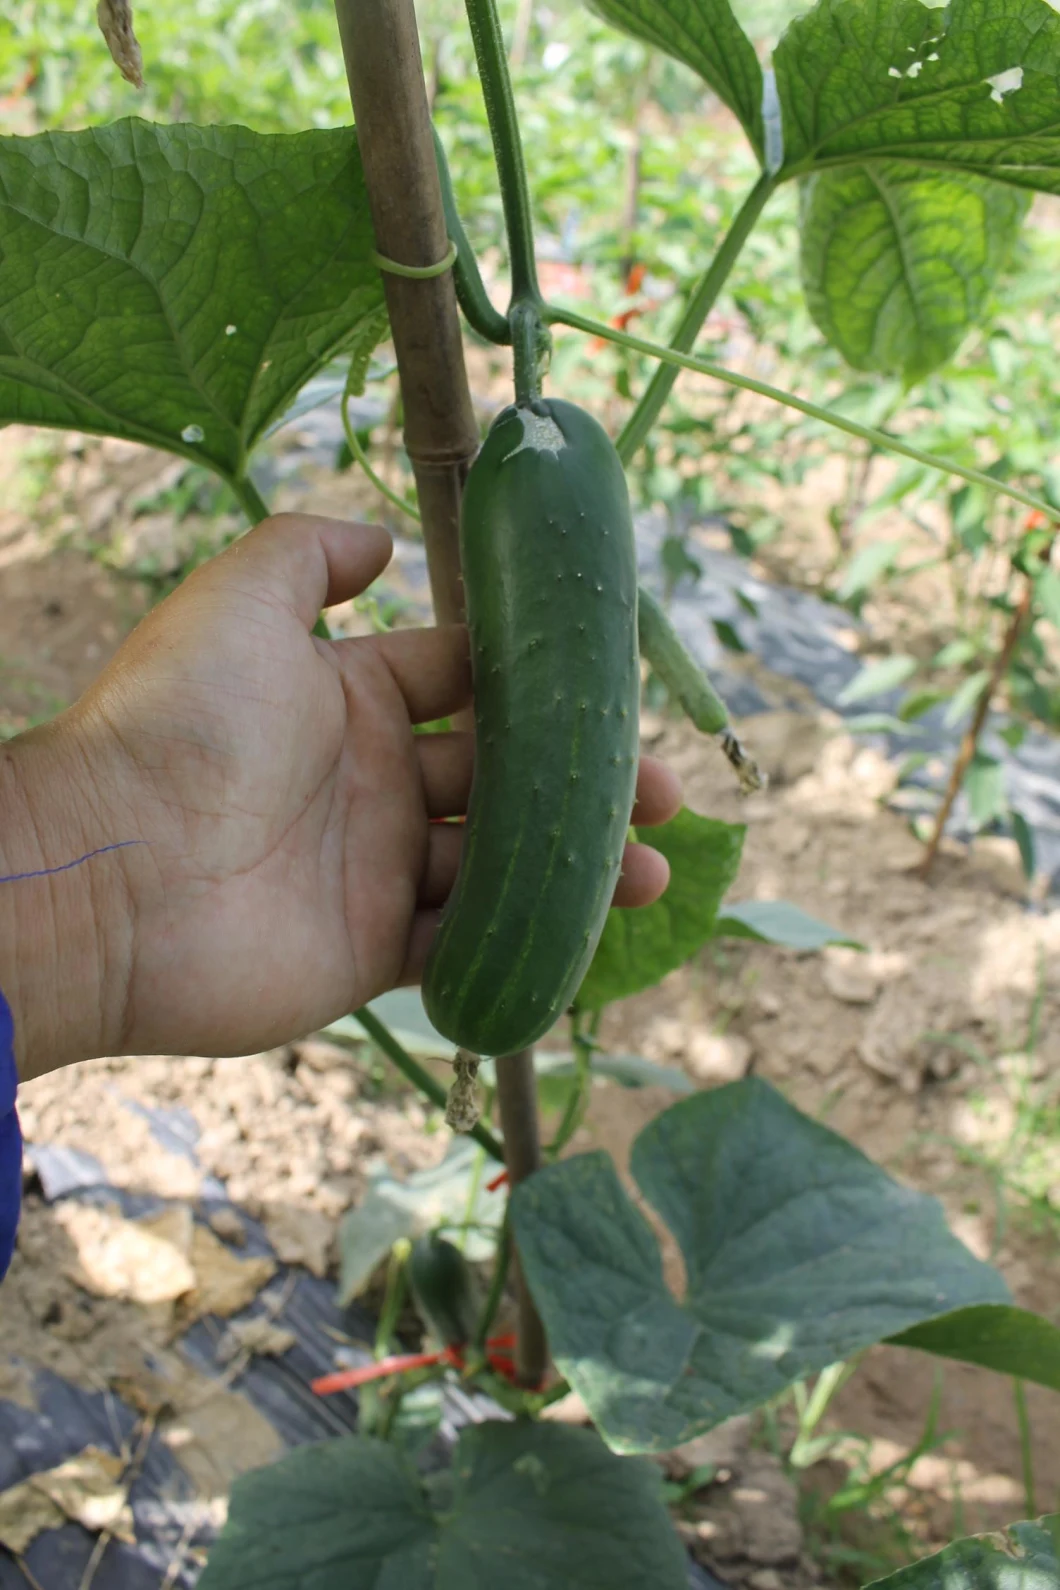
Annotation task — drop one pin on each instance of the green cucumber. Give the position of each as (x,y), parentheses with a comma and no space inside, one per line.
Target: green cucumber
(546,539)
(443,1290)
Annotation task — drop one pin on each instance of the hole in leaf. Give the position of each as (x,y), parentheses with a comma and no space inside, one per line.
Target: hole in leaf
(1003,83)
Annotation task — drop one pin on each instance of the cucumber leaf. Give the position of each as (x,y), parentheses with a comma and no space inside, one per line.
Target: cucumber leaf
(1024,1556)
(877,679)
(638,948)
(779,922)
(706,36)
(984,785)
(973,86)
(897,261)
(524,1505)
(178,285)
(798,1252)
(1010,1340)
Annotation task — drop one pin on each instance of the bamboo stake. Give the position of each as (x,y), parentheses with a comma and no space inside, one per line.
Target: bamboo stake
(380,44)
(381,47)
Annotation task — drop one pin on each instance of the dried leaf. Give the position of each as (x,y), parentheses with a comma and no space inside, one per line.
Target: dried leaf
(87,1489)
(116,25)
(257,1335)
(24,1514)
(463,1107)
(223,1283)
(90,1490)
(301,1236)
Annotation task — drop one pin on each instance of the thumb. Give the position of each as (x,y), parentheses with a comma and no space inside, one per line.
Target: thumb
(305,562)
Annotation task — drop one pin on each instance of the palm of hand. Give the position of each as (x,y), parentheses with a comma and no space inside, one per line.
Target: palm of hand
(276,784)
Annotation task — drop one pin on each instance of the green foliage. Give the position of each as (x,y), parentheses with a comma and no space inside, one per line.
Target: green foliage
(1010,1340)
(179,285)
(524,1505)
(897,261)
(706,36)
(798,1252)
(390,1209)
(638,948)
(274,64)
(1023,1557)
(778,922)
(893,79)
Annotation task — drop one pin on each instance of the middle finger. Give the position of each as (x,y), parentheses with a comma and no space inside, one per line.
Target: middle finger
(446,763)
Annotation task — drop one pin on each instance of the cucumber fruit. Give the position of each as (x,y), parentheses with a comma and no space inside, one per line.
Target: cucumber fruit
(546,538)
(442,1289)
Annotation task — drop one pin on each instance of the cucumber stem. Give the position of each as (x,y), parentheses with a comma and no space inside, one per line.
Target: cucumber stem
(746,383)
(501,1262)
(530,340)
(421,1079)
(507,146)
(688,683)
(471,292)
(635,431)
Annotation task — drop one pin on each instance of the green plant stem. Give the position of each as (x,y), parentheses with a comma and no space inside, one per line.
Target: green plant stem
(687,682)
(471,292)
(530,341)
(814,411)
(498,1281)
(474,1185)
(250,499)
(584,1045)
(421,1079)
(635,431)
(362,458)
(394,1297)
(507,146)
(572,1115)
(1026,1450)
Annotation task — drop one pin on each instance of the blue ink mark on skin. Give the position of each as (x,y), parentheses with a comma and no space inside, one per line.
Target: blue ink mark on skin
(68,866)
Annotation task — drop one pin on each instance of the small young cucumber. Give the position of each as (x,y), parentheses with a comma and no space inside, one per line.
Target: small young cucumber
(443,1290)
(546,539)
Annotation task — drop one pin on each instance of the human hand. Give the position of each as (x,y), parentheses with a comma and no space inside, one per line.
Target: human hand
(284,868)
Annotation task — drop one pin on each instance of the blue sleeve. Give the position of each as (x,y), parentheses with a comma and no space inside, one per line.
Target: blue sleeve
(10,1140)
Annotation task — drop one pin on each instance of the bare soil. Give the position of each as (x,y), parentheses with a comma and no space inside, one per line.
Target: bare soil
(852,1038)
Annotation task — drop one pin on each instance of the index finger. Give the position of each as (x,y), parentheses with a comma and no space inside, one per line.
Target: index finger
(431,667)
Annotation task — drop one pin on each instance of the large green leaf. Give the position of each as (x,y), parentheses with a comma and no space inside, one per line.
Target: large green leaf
(527,1505)
(897,261)
(779,922)
(1010,1340)
(896,79)
(638,948)
(798,1252)
(1022,1557)
(706,36)
(178,285)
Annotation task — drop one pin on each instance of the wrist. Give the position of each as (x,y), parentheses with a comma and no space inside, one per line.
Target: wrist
(66,937)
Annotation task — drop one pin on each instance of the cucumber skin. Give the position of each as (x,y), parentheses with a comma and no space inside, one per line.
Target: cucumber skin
(551,586)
